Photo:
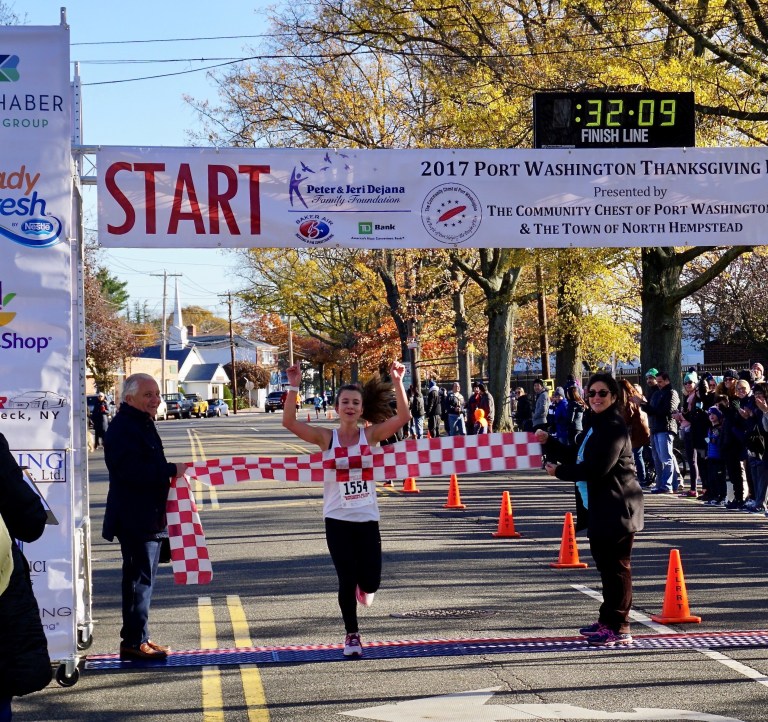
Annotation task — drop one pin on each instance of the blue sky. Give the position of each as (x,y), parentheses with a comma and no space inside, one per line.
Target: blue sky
(153,111)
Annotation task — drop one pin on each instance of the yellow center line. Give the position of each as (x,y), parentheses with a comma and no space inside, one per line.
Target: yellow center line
(198,454)
(213,699)
(255,698)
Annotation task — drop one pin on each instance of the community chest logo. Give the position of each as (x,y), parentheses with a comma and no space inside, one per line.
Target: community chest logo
(451,213)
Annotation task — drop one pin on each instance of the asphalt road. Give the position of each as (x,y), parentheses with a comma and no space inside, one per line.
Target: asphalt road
(445,578)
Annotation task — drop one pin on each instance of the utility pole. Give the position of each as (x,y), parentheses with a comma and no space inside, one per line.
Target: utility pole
(232,354)
(543,330)
(164,333)
(290,343)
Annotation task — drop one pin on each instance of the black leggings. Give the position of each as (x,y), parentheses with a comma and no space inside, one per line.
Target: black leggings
(612,559)
(355,548)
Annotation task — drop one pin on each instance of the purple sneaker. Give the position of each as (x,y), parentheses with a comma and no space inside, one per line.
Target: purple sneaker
(592,629)
(606,637)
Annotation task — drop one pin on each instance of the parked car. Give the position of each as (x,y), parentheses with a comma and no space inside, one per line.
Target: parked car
(275,401)
(199,406)
(162,411)
(217,407)
(179,406)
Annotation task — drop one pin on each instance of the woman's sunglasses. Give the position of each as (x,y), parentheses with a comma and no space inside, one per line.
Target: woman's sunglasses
(602,393)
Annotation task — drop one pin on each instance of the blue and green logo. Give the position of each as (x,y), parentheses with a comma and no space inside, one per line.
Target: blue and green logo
(9,72)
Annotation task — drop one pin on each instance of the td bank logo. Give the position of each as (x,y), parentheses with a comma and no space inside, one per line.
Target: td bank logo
(5,316)
(9,68)
(365,228)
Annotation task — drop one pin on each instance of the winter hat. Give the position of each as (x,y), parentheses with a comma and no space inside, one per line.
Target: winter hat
(691,376)
(716,411)
(730,374)
(758,365)
(559,392)
(652,372)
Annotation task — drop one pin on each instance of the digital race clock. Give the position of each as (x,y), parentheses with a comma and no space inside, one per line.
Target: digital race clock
(613,120)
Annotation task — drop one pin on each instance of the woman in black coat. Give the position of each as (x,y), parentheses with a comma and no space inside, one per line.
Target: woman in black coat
(609,502)
(24,663)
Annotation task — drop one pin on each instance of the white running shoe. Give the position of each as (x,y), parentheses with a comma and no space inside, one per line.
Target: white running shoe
(352,645)
(362,597)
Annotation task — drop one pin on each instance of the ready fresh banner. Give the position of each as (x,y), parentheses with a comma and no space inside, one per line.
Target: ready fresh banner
(207,197)
(36,300)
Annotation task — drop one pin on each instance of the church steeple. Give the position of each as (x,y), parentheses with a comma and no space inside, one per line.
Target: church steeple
(177,332)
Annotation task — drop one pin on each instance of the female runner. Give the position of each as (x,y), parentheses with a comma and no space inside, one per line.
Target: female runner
(350,509)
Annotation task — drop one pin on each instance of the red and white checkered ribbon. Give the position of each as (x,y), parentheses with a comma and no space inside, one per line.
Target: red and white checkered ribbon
(418,458)
(189,552)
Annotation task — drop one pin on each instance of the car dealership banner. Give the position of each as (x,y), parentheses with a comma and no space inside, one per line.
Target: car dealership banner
(36,301)
(207,197)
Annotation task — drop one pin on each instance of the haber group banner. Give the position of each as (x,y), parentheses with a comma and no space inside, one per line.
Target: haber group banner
(207,197)
(36,300)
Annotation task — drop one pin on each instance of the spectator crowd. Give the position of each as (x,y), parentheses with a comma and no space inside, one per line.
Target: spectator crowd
(714,429)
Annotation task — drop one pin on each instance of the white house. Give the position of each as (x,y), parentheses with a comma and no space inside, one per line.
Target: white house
(201,358)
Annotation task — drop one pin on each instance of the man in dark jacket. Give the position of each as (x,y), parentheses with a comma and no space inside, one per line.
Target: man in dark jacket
(660,409)
(139,480)
(99,419)
(24,663)
(433,409)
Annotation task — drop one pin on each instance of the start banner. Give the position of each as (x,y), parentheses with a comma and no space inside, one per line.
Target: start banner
(208,197)
(36,301)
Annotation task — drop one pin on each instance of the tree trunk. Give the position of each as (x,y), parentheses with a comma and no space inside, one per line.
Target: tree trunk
(497,278)
(568,360)
(568,357)
(501,322)
(387,271)
(462,339)
(661,335)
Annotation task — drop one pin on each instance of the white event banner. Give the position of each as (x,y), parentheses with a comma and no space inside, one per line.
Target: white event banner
(208,197)
(36,301)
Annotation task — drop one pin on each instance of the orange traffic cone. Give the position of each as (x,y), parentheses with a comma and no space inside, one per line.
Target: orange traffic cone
(409,486)
(308,419)
(569,552)
(454,497)
(506,521)
(675,610)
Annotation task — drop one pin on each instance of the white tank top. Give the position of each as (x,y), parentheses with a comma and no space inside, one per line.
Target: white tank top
(354,500)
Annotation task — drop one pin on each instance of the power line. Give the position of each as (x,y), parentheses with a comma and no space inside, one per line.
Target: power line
(176,40)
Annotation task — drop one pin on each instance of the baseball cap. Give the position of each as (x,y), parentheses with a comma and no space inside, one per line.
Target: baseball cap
(652,372)
(730,374)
